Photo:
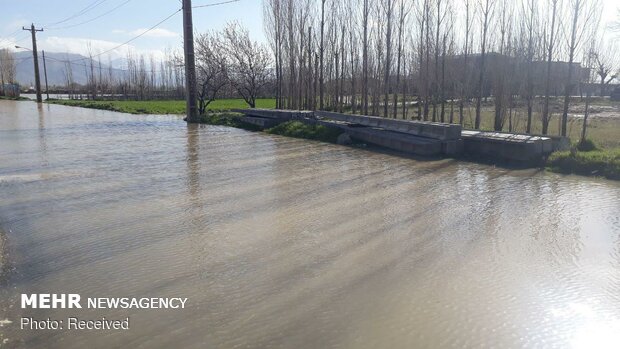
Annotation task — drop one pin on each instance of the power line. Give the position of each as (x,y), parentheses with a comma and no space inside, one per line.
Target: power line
(134,38)
(6,37)
(92,19)
(79,13)
(217,3)
(17,40)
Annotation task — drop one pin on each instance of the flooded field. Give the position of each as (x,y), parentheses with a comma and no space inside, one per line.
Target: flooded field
(285,243)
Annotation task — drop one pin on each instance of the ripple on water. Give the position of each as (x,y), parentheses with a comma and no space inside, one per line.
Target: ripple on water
(280,242)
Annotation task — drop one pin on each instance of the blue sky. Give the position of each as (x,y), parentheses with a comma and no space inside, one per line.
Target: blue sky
(128,20)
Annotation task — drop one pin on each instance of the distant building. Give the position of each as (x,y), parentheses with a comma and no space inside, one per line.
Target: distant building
(515,69)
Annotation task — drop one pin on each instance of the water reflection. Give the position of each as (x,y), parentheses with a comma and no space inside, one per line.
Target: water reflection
(280,242)
(42,130)
(193,165)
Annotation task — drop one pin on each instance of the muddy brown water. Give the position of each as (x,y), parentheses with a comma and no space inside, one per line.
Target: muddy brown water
(286,243)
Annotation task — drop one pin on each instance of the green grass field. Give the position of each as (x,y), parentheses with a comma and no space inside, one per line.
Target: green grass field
(601,163)
(160,107)
(604,131)
(603,127)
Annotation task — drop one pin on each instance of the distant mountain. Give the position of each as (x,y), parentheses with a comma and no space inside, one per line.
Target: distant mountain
(56,67)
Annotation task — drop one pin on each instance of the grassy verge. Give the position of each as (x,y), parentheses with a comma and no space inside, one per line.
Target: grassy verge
(13,98)
(227,119)
(159,107)
(298,129)
(603,163)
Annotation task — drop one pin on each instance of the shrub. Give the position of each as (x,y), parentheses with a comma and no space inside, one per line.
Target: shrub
(299,129)
(227,119)
(604,163)
(586,145)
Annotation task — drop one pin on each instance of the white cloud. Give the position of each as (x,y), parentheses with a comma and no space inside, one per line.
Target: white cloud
(118,31)
(155,33)
(16,24)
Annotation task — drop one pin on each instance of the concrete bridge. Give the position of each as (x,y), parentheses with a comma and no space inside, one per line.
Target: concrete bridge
(419,137)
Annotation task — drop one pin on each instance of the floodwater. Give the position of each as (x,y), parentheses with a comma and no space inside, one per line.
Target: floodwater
(285,243)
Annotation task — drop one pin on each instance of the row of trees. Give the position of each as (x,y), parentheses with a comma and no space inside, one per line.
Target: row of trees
(143,77)
(432,59)
(228,64)
(7,69)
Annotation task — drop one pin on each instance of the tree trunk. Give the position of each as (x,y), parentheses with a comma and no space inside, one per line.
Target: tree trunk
(545,114)
(365,58)
(482,66)
(568,88)
(388,58)
(321,49)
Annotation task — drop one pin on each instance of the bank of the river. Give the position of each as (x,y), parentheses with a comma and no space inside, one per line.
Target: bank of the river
(296,129)
(158,106)
(600,162)
(595,162)
(13,98)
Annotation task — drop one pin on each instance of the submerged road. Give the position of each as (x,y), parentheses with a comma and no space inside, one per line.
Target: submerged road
(287,243)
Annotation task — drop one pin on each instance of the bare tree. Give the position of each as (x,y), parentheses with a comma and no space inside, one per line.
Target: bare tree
(321,58)
(439,20)
(389,16)
(274,25)
(353,53)
(211,65)
(421,19)
(427,51)
(464,95)
(486,11)
(590,61)
(403,12)
(249,63)
(92,82)
(530,12)
(365,22)
(68,73)
(501,70)
(550,44)
(605,59)
(583,13)
(7,66)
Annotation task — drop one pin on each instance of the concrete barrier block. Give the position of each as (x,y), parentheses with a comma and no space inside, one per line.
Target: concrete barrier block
(434,130)
(452,147)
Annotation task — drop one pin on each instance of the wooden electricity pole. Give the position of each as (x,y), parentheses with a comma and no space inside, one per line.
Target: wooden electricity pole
(190,62)
(47,91)
(37,80)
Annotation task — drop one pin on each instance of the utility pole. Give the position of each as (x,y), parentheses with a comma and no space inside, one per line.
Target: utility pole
(37,80)
(47,91)
(190,62)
